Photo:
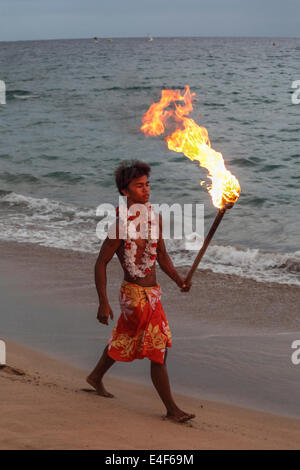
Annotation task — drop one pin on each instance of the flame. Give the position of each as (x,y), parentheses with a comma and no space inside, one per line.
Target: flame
(193,141)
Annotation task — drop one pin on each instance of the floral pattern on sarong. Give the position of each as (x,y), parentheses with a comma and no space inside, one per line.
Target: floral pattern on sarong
(142,329)
(154,296)
(126,344)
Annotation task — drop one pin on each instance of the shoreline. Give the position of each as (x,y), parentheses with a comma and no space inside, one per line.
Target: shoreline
(37,389)
(17,257)
(238,354)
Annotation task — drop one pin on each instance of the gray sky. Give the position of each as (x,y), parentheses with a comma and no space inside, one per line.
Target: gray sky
(51,19)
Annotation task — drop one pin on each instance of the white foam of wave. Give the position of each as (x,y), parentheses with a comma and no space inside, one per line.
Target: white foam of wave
(25,97)
(249,263)
(49,223)
(41,208)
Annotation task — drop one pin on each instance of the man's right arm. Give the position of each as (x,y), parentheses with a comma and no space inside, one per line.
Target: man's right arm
(108,249)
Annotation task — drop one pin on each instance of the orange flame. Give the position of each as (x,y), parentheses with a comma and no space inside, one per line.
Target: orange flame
(193,141)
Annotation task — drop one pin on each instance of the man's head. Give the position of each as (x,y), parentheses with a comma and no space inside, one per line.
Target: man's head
(131,178)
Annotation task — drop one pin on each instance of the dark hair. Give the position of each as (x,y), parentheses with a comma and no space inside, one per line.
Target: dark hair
(128,170)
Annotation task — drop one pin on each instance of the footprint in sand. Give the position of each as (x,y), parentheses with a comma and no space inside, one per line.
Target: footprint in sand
(95,392)
(12,370)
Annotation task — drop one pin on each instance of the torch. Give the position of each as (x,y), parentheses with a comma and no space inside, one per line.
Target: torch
(192,140)
(207,240)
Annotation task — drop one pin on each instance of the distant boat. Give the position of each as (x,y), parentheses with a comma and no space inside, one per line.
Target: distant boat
(150,38)
(108,40)
(96,39)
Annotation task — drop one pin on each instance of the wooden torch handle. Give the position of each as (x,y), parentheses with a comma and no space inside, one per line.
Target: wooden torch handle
(206,242)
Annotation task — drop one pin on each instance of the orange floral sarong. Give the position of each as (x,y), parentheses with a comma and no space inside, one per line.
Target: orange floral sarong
(142,329)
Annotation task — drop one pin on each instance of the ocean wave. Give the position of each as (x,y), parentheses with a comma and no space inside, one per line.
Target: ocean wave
(3,192)
(65,176)
(58,224)
(18,178)
(252,263)
(47,222)
(42,206)
(244,162)
(131,88)
(20,95)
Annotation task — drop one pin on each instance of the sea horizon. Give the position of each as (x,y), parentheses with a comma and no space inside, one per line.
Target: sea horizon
(156,37)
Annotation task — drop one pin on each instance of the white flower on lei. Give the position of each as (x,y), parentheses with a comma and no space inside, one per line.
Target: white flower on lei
(150,252)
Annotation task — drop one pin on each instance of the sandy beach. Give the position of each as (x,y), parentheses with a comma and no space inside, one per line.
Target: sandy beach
(44,406)
(230,361)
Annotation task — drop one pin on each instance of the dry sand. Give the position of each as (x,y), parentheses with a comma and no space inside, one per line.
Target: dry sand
(43,406)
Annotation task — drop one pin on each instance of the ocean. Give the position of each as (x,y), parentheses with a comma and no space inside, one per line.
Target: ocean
(73,113)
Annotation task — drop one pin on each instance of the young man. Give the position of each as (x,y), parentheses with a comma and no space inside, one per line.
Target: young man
(142,329)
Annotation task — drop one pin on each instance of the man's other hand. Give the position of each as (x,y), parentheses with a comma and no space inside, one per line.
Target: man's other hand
(104,311)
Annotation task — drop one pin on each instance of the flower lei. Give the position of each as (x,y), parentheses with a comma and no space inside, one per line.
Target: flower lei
(150,252)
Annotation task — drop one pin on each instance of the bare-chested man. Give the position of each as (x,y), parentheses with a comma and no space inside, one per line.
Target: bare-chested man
(142,329)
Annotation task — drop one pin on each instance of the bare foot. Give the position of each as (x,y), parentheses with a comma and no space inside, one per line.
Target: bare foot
(180,416)
(99,387)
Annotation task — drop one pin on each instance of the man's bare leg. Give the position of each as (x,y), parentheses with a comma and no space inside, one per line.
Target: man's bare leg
(160,379)
(95,377)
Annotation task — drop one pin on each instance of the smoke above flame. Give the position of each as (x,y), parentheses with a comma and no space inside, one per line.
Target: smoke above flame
(192,140)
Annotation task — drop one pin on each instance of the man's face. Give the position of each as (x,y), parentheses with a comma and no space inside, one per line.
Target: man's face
(138,190)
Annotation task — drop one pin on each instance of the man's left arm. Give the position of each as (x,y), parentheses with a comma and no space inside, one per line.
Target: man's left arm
(166,264)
